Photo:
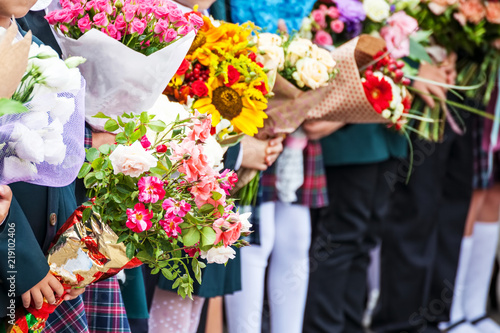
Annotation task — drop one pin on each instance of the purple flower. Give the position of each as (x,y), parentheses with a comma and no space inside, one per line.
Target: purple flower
(351,11)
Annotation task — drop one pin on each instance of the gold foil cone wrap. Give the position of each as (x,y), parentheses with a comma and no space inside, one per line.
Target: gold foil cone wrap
(87,252)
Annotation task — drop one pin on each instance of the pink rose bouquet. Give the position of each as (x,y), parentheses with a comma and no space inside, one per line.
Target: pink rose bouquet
(151,36)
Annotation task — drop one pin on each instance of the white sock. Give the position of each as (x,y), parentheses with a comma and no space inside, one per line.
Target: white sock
(478,276)
(244,308)
(457,307)
(288,273)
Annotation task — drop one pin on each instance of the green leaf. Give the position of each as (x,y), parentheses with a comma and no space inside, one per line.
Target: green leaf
(130,251)
(158,171)
(191,237)
(86,214)
(84,170)
(111,125)
(97,163)
(123,237)
(155,270)
(150,50)
(105,149)
(101,115)
(9,106)
(129,128)
(136,135)
(208,236)
(92,154)
(100,175)
(143,256)
(216,195)
(206,208)
(220,208)
(176,283)
(89,180)
(417,51)
(167,274)
(157,126)
(144,117)
(196,270)
(163,263)
(121,138)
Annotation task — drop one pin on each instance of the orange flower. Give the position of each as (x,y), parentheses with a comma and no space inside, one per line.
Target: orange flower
(493,12)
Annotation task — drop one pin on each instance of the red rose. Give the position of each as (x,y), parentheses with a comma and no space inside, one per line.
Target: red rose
(233,75)
(183,67)
(252,56)
(199,88)
(161,148)
(262,88)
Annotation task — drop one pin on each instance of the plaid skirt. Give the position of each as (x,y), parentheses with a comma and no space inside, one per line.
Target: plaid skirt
(99,310)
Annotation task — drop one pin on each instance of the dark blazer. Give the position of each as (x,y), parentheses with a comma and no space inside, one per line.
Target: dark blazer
(35,215)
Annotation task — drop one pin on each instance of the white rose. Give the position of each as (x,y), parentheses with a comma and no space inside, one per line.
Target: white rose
(377,10)
(298,49)
(219,255)
(312,73)
(268,39)
(62,109)
(272,57)
(15,168)
(214,152)
(132,160)
(28,144)
(245,224)
(167,112)
(324,57)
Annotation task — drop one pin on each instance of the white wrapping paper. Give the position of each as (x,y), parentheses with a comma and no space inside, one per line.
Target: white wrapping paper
(120,79)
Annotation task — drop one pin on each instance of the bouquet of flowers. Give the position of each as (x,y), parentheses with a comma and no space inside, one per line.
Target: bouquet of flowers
(371,87)
(42,118)
(157,199)
(304,72)
(151,37)
(221,77)
(334,22)
(472,29)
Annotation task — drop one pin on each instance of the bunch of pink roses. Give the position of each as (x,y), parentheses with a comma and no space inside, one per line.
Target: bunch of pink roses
(145,26)
(160,191)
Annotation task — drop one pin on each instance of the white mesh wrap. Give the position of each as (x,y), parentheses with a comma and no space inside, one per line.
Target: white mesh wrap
(45,145)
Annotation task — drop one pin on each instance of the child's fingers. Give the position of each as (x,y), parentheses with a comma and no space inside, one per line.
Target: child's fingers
(56,287)
(48,293)
(26,298)
(37,297)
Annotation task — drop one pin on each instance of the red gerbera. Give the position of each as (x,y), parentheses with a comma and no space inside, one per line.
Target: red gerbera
(378,91)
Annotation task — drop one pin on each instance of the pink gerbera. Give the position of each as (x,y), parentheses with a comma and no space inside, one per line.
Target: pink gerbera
(150,190)
(139,218)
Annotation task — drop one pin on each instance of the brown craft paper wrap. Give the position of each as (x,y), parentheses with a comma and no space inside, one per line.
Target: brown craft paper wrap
(13,61)
(245,176)
(346,100)
(288,108)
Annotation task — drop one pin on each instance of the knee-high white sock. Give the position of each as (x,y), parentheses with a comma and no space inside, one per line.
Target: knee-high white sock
(288,274)
(244,308)
(477,281)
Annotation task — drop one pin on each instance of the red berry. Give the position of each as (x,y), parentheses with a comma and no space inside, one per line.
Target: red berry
(406,81)
(198,65)
(196,70)
(400,64)
(392,67)
(398,75)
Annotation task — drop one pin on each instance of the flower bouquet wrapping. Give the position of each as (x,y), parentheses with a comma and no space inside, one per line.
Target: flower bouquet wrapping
(371,87)
(220,76)
(303,74)
(133,48)
(42,116)
(157,199)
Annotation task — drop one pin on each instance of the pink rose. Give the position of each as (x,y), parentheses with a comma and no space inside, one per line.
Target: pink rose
(405,23)
(77,9)
(196,163)
(319,17)
(64,29)
(50,17)
(337,26)
(397,42)
(90,5)
(103,6)
(333,13)
(144,9)
(175,15)
(161,12)
(64,16)
(112,32)
(174,207)
(101,19)
(203,189)
(161,26)
(323,8)
(138,26)
(195,20)
(120,23)
(84,24)
(227,230)
(169,36)
(493,12)
(171,226)
(323,38)
(184,30)
(130,11)
(183,21)
(201,130)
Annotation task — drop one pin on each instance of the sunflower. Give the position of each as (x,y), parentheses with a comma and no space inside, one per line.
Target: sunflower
(240,103)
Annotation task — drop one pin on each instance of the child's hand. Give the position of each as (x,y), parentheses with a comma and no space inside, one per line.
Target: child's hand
(73,293)
(45,288)
(274,149)
(5,200)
